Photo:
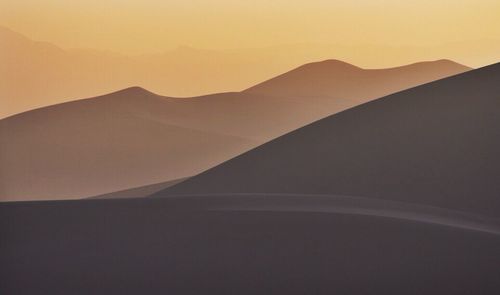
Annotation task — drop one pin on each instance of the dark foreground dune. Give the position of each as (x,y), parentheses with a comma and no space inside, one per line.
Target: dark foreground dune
(436,144)
(245,244)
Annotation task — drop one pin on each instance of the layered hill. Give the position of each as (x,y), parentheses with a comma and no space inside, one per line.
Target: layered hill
(36,74)
(338,79)
(134,138)
(435,144)
(109,143)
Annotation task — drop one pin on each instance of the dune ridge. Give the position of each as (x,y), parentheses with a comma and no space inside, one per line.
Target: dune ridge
(434,144)
(316,79)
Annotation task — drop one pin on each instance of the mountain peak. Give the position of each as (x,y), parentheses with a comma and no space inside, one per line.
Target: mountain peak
(338,79)
(134,90)
(450,62)
(330,64)
(9,35)
(443,63)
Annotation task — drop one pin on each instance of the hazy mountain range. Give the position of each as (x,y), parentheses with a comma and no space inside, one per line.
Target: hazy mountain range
(36,74)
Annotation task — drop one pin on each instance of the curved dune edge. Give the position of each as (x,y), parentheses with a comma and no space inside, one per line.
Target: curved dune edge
(334,204)
(275,202)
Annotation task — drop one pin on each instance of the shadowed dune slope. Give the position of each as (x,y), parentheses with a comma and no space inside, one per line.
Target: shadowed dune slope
(132,138)
(243,245)
(141,191)
(435,144)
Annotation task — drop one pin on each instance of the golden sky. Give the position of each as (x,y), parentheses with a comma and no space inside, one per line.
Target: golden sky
(145,26)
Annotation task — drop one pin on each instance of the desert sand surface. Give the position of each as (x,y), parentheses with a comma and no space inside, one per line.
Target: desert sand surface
(436,144)
(228,244)
(133,138)
(268,221)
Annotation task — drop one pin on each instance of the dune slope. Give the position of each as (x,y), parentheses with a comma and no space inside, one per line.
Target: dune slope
(435,144)
(96,146)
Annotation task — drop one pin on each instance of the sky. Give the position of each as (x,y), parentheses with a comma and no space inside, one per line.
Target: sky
(147,26)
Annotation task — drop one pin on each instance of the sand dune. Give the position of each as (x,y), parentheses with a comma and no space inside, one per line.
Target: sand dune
(422,217)
(238,244)
(338,79)
(133,138)
(435,144)
(91,147)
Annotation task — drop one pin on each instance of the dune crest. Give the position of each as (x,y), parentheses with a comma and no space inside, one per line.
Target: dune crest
(338,79)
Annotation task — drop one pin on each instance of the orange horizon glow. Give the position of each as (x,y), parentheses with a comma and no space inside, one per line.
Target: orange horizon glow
(153,26)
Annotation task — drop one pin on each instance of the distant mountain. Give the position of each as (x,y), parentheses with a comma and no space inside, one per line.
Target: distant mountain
(435,145)
(134,138)
(338,79)
(36,74)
